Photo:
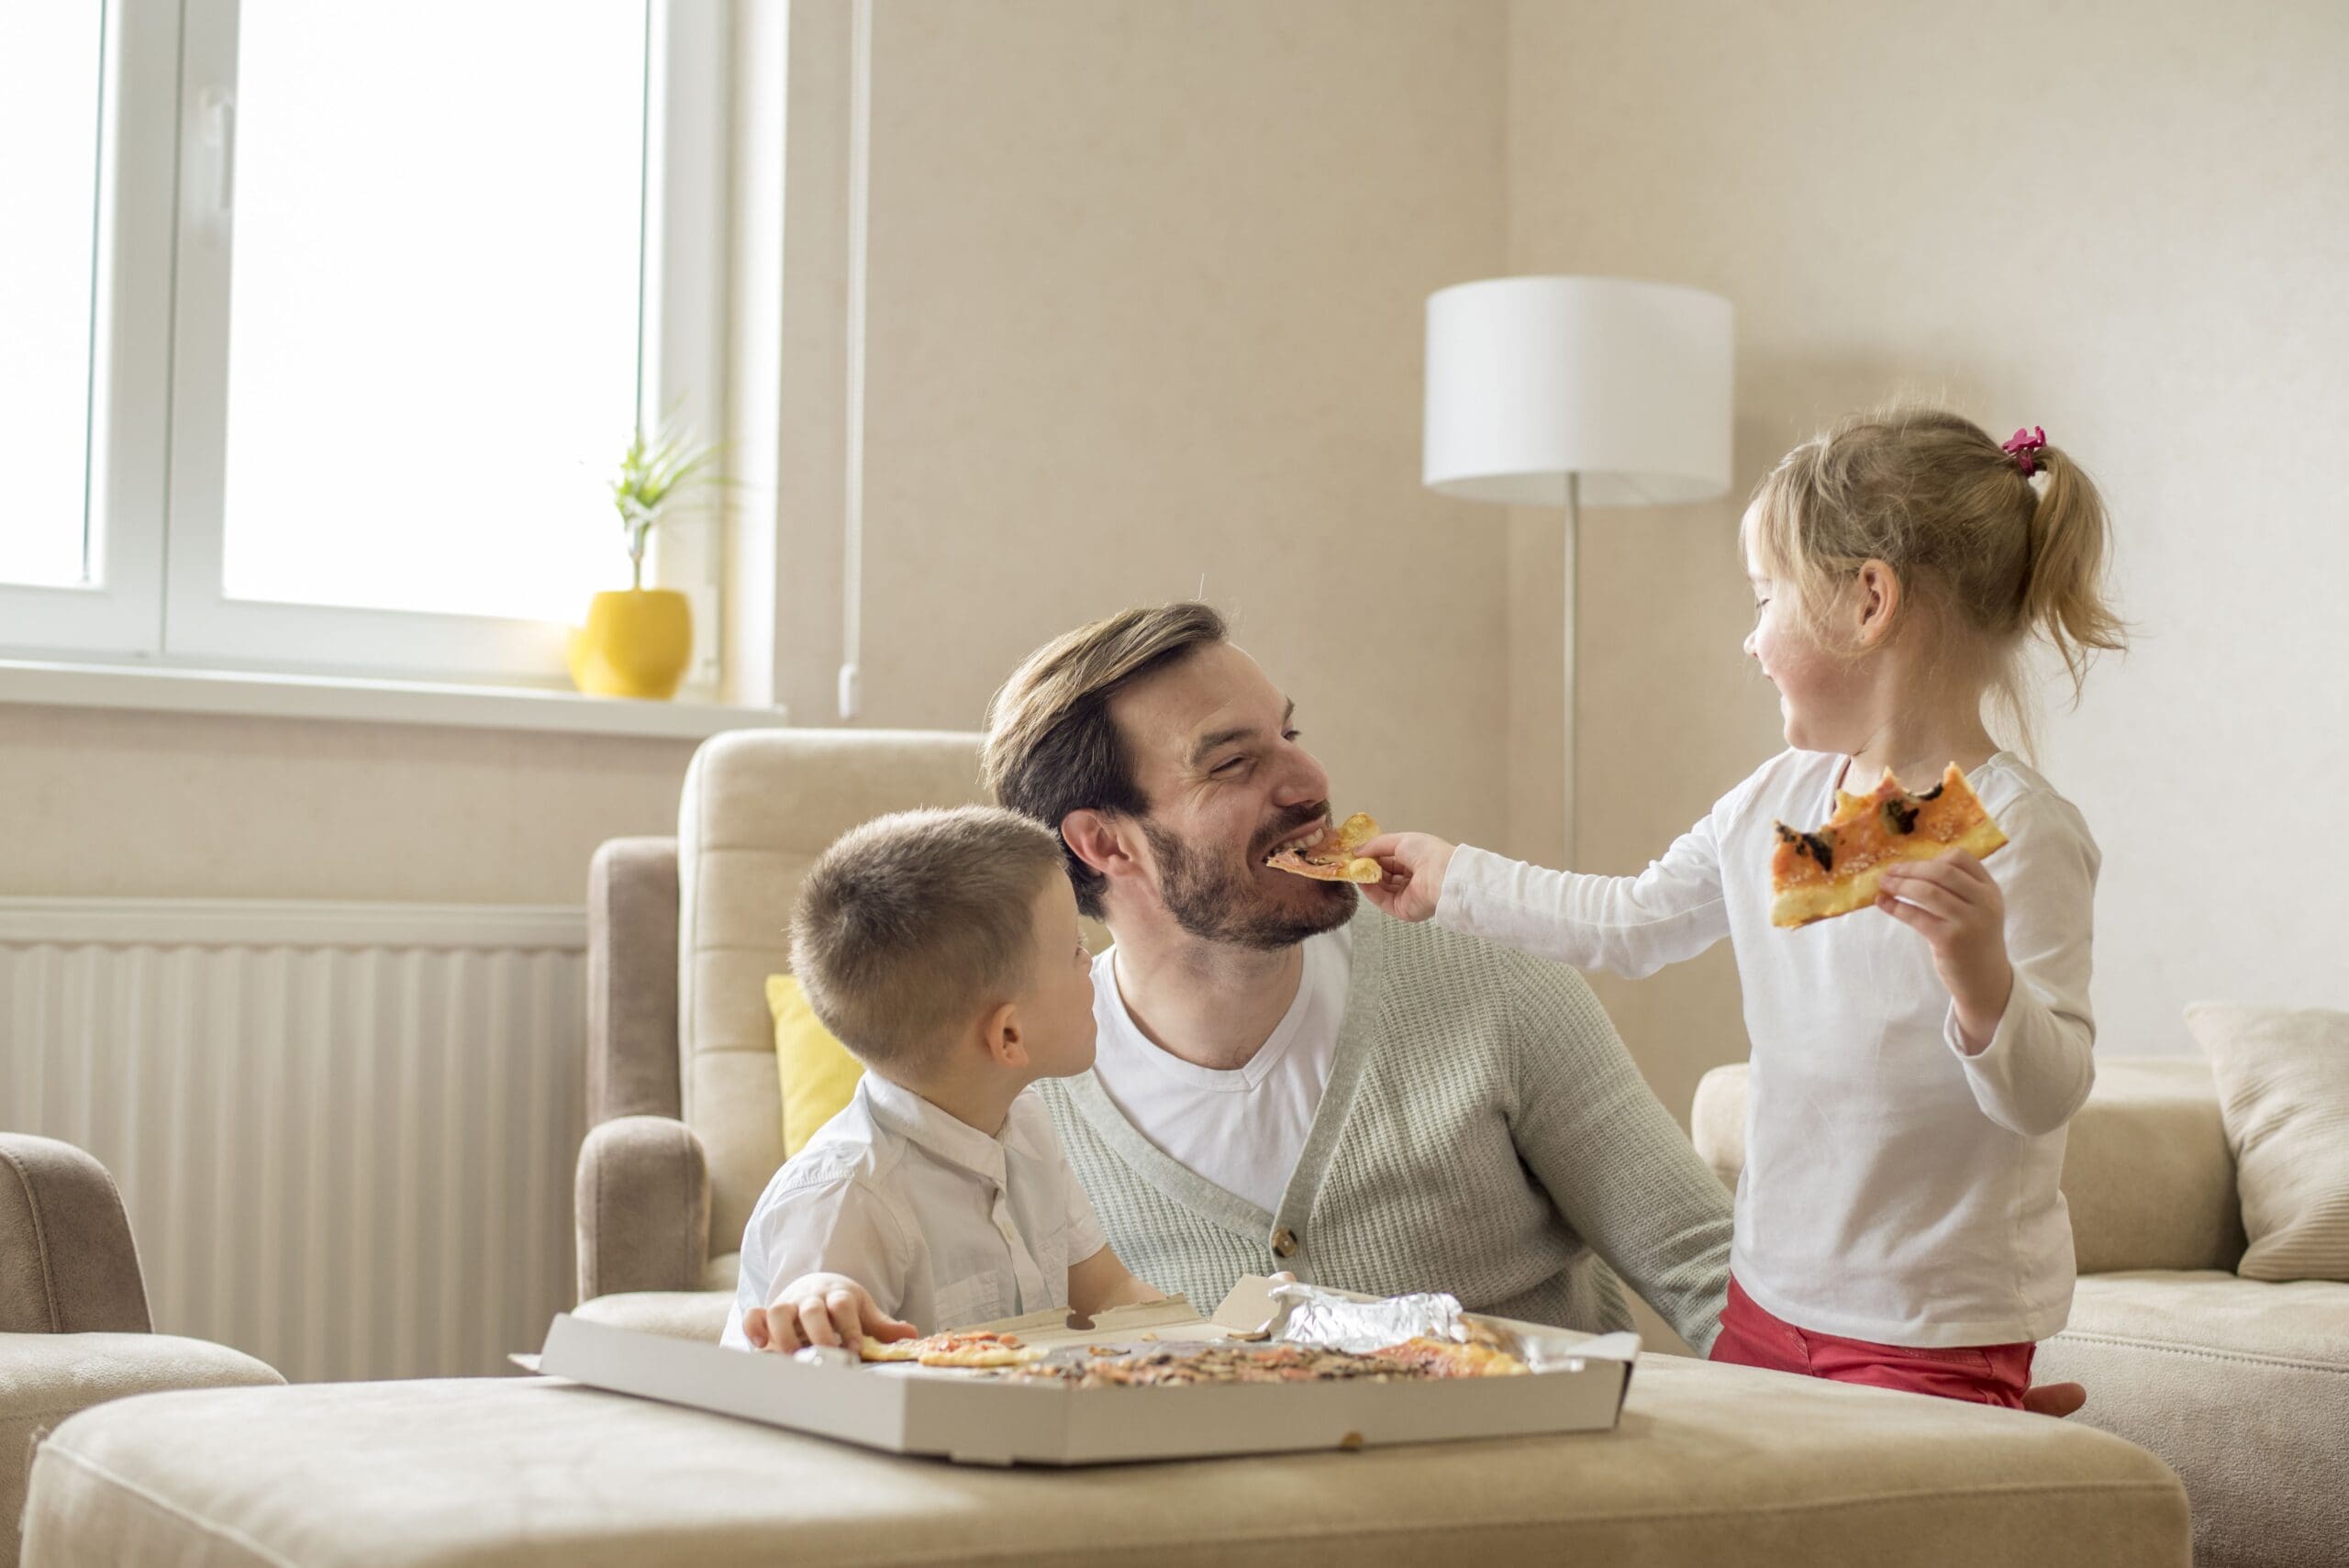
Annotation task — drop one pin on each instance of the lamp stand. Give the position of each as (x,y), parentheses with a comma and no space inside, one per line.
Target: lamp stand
(1572,605)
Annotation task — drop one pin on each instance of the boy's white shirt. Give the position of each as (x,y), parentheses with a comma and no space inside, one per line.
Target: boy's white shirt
(943,1223)
(1896,1189)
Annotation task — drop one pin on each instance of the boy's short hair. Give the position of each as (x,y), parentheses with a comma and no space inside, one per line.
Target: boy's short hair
(910,924)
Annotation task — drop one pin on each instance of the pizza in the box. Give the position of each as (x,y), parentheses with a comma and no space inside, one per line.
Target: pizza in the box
(1839,867)
(1412,1361)
(975,1349)
(1330,857)
(1442,1358)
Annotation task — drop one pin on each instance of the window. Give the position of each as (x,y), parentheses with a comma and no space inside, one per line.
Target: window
(49,166)
(329,331)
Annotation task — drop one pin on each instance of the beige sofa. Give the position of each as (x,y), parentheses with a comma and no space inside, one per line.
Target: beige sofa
(2241,1387)
(73,1325)
(1712,1465)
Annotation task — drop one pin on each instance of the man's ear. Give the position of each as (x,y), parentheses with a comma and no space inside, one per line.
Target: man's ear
(1878,594)
(1001,1032)
(1098,840)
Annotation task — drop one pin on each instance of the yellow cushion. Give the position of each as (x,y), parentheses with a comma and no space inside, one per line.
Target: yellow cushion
(819,1074)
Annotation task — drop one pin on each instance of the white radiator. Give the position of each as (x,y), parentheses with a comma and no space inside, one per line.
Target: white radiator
(344,1133)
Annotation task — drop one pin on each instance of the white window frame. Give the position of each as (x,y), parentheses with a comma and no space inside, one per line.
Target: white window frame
(159,397)
(120,612)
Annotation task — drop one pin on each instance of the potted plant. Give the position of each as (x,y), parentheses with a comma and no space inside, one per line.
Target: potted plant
(638,641)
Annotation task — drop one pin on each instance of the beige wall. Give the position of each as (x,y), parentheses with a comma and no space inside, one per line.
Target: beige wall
(105,804)
(1145,309)
(2127,223)
(1146,286)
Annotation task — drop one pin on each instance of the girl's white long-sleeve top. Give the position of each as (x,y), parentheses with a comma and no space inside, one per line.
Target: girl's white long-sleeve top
(1896,1189)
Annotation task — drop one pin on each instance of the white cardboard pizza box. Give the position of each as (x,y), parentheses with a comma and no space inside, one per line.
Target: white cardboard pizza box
(977,1420)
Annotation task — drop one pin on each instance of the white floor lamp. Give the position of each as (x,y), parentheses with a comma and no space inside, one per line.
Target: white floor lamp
(1554,392)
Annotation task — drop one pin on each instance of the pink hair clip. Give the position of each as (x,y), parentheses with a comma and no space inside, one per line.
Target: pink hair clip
(2022,444)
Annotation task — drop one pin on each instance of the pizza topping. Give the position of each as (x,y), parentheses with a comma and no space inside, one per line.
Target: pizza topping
(1815,845)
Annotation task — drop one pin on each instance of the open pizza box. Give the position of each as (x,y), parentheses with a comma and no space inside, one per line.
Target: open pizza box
(1578,1385)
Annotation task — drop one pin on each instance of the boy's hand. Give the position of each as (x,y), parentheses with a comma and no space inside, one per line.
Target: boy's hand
(820,1310)
(1415,864)
(1957,906)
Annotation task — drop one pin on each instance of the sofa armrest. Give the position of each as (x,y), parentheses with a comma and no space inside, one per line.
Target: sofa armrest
(67,1262)
(632,980)
(643,1201)
(2146,1171)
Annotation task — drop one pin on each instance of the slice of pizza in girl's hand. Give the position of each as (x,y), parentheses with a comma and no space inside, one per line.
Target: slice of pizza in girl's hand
(1332,857)
(1839,867)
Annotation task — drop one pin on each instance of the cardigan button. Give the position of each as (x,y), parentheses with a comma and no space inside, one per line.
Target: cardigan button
(1284,1243)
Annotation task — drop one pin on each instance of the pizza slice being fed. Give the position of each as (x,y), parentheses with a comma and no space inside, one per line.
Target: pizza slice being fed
(977,1348)
(1839,867)
(1332,857)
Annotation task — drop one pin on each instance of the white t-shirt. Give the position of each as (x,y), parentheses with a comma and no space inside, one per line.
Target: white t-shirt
(943,1223)
(1242,1129)
(1896,1189)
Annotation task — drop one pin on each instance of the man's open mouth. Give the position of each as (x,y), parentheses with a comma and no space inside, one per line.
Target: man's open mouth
(1304,838)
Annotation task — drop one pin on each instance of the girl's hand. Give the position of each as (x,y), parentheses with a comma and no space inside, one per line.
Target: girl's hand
(1415,864)
(1960,910)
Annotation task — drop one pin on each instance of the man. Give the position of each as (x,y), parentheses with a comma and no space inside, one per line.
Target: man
(1287,1080)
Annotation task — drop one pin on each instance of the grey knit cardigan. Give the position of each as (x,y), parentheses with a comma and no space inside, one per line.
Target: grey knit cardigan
(1483,1132)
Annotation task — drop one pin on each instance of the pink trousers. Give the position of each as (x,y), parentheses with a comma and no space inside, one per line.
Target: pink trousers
(1981,1374)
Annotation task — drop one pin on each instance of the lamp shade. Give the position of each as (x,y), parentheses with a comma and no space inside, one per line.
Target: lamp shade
(1625,384)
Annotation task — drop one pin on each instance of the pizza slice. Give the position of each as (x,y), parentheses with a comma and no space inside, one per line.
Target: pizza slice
(1332,857)
(977,1348)
(1442,1358)
(1839,867)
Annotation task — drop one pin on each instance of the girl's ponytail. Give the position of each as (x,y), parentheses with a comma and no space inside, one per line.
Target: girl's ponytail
(2069,548)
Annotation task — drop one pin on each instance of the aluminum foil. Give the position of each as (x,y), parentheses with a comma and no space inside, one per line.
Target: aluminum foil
(1308,1315)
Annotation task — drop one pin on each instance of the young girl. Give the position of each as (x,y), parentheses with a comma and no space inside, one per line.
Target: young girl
(1913,1065)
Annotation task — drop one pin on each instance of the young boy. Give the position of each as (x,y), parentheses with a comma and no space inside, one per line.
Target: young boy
(943,948)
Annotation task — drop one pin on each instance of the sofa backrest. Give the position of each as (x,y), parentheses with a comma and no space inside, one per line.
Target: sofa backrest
(759,807)
(2146,1171)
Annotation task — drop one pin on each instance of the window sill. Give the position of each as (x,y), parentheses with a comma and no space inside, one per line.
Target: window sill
(362,701)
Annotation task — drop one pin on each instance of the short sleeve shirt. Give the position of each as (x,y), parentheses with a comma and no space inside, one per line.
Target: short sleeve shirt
(943,1224)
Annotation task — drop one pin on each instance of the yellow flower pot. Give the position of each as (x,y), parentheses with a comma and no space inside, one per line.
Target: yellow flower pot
(636,643)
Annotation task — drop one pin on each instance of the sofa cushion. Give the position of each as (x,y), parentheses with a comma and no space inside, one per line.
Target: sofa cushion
(1713,1464)
(2241,1387)
(2283,1079)
(44,1378)
(2146,1173)
(818,1073)
(675,1314)
(758,807)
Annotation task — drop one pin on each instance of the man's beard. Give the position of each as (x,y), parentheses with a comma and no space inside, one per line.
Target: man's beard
(1217,902)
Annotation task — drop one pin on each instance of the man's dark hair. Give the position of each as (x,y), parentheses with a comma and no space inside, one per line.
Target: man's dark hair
(1052,747)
